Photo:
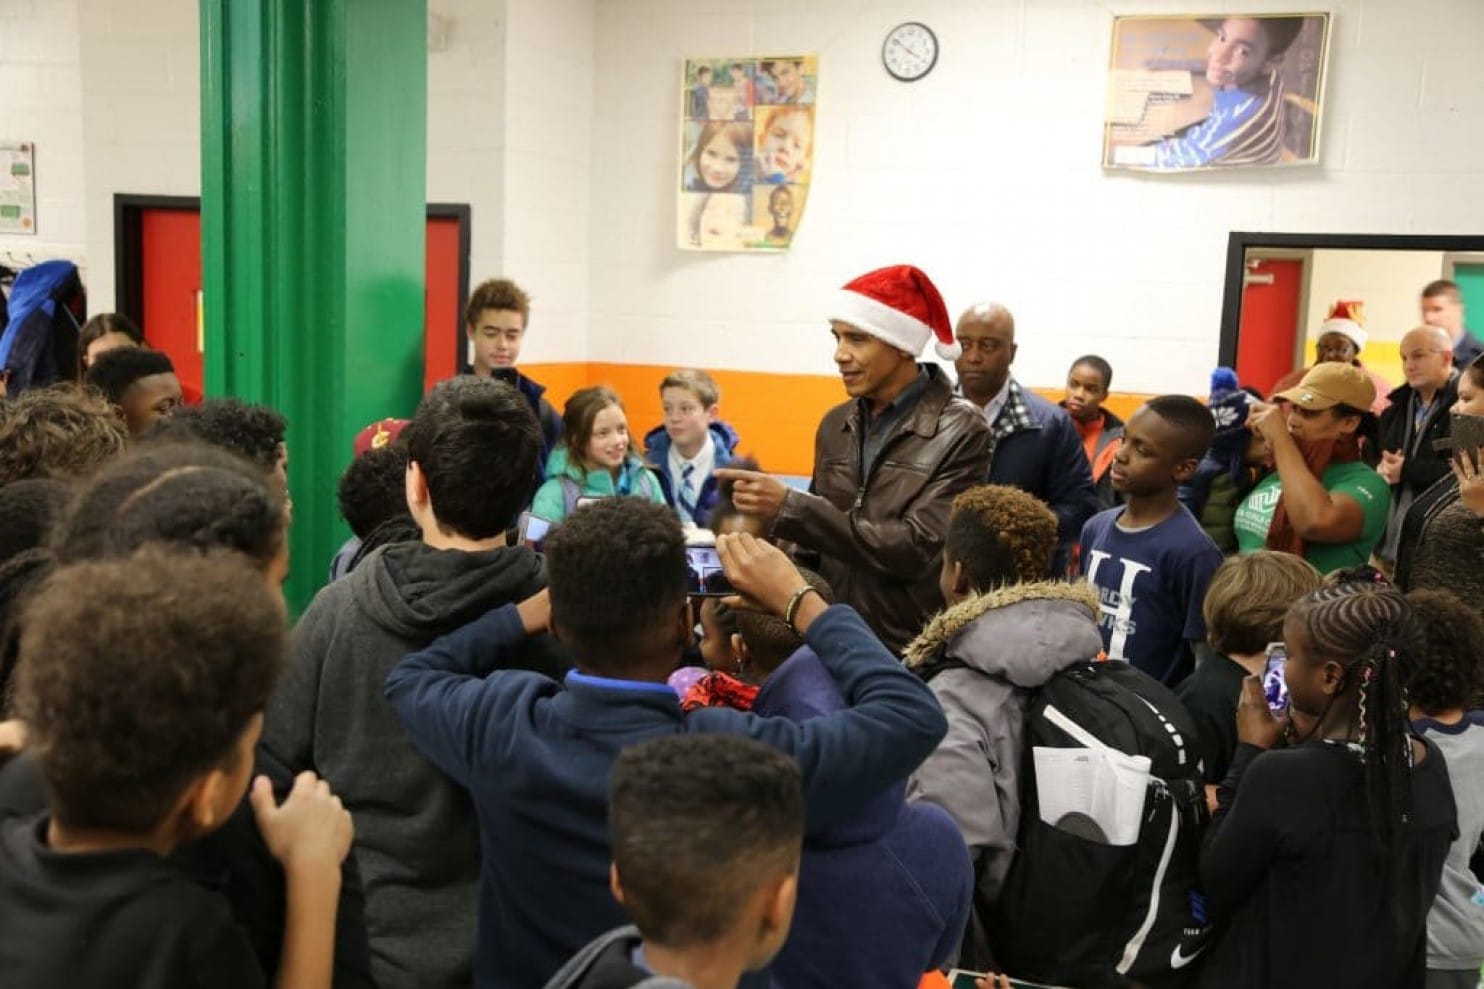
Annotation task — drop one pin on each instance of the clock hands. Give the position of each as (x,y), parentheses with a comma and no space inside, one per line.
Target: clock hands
(906,47)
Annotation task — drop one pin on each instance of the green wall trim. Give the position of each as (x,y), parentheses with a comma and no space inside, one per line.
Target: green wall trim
(314,158)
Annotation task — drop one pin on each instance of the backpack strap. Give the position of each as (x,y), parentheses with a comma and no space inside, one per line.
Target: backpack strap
(570,493)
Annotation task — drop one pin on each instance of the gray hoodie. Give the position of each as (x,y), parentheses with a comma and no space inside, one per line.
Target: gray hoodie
(416,838)
(982,657)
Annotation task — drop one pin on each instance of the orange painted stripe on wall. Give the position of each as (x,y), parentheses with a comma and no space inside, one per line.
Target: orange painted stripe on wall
(775,414)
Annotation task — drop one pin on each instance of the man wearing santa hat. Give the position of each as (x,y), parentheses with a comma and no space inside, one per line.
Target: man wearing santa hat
(1342,337)
(888,463)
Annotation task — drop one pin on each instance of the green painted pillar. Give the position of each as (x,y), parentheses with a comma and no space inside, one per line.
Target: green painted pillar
(314,154)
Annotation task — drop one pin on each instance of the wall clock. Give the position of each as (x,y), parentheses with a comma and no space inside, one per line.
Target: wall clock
(910,51)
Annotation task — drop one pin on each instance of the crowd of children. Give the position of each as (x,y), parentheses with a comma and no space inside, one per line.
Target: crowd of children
(523,737)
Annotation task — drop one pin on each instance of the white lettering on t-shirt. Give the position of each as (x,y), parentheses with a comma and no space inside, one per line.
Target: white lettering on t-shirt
(1117,606)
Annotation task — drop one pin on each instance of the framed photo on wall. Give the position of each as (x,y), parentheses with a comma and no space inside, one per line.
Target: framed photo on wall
(746,151)
(1189,93)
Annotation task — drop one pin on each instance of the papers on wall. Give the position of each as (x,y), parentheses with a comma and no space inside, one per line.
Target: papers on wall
(746,151)
(17,188)
(1097,793)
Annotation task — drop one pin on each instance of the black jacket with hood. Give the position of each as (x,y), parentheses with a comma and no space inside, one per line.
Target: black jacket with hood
(416,838)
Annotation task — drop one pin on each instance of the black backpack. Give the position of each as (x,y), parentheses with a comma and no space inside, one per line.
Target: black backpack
(1078,912)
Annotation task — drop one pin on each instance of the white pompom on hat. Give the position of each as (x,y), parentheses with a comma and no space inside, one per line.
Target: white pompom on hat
(901,306)
(1346,317)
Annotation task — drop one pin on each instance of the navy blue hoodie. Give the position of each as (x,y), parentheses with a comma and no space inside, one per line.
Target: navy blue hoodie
(535,756)
(884,897)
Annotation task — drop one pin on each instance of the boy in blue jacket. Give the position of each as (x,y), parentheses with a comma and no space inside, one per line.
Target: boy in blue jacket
(687,448)
(535,754)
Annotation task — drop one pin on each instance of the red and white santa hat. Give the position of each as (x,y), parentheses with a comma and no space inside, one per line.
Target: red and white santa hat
(1346,317)
(899,305)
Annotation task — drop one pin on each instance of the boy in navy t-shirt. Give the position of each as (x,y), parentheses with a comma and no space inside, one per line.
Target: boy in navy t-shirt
(1149,559)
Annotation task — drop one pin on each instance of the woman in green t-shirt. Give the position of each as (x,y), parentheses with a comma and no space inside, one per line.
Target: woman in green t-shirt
(1324,502)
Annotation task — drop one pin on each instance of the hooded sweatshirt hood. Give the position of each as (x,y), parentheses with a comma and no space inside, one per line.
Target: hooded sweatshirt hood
(657,442)
(1023,633)
(884,895)
(800,689)
(416,840)
(414,591)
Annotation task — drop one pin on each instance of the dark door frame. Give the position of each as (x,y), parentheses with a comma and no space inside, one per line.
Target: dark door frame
(128,243)
(1240,241)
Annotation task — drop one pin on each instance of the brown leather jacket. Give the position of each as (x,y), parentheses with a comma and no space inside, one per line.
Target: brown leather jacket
(880,538)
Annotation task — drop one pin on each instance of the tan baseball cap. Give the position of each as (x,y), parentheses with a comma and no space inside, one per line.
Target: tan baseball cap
(1329,384)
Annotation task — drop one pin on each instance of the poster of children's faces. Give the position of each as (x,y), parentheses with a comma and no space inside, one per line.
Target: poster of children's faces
(746,150)
(1188,93)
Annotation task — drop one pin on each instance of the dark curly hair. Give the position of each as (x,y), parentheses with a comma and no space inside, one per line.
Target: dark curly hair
(698,824)
(1001,535)
(769,639)
(29,510)
(476,442)
(1444,658)
(139,675)
(617,573)
(61,432)
(186,494)
(373,488)
(248,430)
(115,371)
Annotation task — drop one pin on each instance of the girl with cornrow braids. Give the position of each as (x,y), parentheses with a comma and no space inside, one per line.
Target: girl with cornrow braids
(1325,853)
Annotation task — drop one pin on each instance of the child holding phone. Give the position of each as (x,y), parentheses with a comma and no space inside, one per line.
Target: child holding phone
(597,458)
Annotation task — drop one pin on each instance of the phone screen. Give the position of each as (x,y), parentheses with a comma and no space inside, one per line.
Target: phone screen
(706,578)
(1274,686)
(533,529)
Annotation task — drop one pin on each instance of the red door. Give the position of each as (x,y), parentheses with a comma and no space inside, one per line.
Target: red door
(443,304)
(1268,337)
(170,266)
(170,258)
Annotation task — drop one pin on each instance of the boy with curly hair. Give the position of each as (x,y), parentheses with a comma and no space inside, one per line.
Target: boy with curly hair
(1007,631)
(1443,679)
(59,432)
(253,431)
(86,890)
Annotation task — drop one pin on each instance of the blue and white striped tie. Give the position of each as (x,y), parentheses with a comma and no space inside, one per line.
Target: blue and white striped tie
(687,496)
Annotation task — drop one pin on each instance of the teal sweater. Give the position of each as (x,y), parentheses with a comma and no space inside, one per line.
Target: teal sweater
(551,498)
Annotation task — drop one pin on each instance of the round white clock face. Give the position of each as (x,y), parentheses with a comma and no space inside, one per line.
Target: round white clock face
(910,51)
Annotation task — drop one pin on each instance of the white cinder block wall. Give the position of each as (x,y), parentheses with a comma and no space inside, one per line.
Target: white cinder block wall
(549,157)
(556,120)
(41,102)
(141,114)
(986,174)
